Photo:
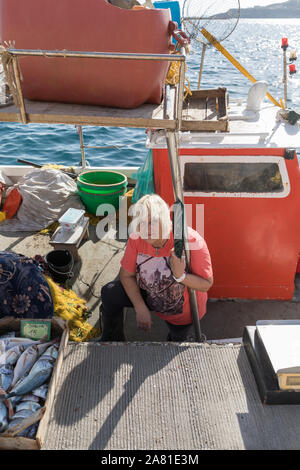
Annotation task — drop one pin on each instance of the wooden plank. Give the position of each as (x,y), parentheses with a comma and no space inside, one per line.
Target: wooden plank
(204,126)
(209,92)
(222,107)
(25,423)
(18,443)
(42,429)
(147,115)
(19,90)
(211,111)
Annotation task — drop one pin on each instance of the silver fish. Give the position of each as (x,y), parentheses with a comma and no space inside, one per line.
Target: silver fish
(3,417)
(41,391)
(31,431)
(28,405)
(6,376)
(28,397)
(38,375)
(11,356)
(27,359)
(2,347)
(12,342)
(18,418)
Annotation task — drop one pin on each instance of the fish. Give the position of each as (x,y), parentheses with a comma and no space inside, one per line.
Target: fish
(41,392)
(38,375)
(6,376)
(18,418)
(11,355)
(2,347)
(31,431)
(3,417)
(28,405)
(27,359)
(12,342)
(28,397)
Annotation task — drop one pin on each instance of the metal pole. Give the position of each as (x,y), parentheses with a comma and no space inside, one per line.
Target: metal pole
(94,55)
(201,65)
(180,93)
(83,162)
(285,77)
(172,143)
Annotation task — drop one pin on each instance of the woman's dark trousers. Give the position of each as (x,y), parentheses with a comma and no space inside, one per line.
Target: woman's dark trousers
(114,299)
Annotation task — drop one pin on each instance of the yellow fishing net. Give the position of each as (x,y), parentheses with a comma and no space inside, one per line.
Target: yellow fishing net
(70,307)
(173,77)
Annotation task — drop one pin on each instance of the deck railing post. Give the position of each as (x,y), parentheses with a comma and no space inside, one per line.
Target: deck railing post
(83,161)
(172,144)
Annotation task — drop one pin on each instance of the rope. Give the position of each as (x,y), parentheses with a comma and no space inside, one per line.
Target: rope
(173,76)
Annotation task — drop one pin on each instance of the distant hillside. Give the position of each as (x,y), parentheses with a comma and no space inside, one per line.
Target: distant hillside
(290,9)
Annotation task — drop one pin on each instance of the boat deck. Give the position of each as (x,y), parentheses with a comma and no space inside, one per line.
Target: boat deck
(99,263)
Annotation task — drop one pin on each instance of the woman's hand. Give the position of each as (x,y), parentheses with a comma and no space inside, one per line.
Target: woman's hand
(143,318)
(177,264)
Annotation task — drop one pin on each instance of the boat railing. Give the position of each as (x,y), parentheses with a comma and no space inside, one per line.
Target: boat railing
(10,62)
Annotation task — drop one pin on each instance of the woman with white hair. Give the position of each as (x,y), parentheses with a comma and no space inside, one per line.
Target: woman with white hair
(153,279)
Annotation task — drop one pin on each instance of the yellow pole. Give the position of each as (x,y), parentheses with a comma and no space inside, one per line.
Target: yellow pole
(231,59)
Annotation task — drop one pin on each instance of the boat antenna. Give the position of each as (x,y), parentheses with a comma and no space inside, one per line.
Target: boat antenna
(218,18)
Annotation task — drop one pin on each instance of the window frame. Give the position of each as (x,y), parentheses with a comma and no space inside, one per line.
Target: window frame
(237,159)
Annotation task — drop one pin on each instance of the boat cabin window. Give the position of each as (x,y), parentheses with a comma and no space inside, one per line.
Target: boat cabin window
(239,177)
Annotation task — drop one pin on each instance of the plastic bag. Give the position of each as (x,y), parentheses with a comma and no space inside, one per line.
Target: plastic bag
(145,179)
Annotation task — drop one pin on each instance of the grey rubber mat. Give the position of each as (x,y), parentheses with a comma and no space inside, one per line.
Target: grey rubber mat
(164,396)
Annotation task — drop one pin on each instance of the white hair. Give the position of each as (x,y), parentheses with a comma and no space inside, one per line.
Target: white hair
(153,207)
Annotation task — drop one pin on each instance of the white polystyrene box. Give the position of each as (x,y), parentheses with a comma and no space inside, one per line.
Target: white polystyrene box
(71,218)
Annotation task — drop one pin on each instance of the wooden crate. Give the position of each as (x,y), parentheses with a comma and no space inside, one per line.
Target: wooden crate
(12,442)
(205,111)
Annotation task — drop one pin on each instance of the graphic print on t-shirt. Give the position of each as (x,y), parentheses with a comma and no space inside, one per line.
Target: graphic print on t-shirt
(163,293)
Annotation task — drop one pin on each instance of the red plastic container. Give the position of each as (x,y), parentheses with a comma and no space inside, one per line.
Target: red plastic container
(88,25)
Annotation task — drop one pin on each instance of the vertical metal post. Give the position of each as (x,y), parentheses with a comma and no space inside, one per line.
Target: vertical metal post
(285,77)
(180,93)
(172,144)
(201,65)
(83,162)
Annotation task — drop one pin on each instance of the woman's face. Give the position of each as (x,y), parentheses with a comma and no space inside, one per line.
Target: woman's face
(151,232)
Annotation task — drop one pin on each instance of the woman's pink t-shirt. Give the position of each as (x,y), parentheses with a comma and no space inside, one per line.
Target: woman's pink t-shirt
(154,275)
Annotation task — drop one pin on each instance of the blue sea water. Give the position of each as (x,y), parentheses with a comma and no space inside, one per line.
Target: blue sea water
(255,43)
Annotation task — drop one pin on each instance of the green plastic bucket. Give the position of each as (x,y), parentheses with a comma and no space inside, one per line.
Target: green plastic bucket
(101,187)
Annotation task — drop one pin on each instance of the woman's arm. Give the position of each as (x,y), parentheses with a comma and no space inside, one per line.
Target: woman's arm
(143,314)
(193,281)
(197,282)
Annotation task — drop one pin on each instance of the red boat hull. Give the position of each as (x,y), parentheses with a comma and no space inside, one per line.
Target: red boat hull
(89,25)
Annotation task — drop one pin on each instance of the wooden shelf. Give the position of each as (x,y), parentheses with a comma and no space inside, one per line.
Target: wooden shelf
(145,116)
